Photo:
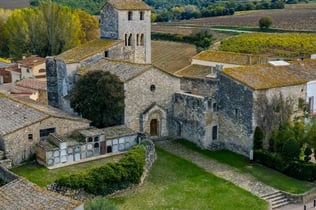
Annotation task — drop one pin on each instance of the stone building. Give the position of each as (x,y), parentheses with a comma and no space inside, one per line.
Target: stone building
(130,21)
(23,124)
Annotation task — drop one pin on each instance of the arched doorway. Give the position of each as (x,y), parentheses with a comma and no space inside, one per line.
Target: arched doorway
(154,127)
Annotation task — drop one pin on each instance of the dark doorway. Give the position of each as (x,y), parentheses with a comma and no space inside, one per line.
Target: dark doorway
(102,147)
(108,149)
(154,127)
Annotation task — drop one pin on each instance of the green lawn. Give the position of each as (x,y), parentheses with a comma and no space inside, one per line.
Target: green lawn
(175,183)
(263,174)
(42,176)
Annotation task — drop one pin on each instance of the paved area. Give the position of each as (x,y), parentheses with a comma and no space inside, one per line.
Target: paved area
(297,207)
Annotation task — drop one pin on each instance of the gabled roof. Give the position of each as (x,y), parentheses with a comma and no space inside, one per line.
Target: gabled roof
(31,61)
(22,194)
(231,57)
(123,69)
(129,4)
(77,54)
(18,113)
(32,84)
(267,76)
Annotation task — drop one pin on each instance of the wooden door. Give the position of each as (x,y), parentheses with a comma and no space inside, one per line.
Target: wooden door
(154,127)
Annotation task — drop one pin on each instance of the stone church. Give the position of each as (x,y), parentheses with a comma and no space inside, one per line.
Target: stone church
(211,102)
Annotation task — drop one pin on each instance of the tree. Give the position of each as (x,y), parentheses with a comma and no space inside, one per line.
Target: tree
(99,97)
(307,152)
(291,149)
(265,22)
(202,39)
(4,15)
(258,138)
(89,26)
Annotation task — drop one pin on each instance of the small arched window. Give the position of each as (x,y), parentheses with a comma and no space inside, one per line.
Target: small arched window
(130,15)
(152,88)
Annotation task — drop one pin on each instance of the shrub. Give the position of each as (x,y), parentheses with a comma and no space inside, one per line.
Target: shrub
(258,138)
(307,152)
(99,203)
(291,149)
(110,177)
(265,22)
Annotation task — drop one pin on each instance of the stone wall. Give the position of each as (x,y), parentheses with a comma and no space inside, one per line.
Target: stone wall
(202,87)
(19,148)
(235,102)
(302,198)
(193,118)
(7,175)
(152,87)
(6,163)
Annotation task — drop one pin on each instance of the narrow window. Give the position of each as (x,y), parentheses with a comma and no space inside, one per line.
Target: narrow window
(214,132)
(137,40)
(141,15)
(236,114)
(130,15)
(152,88)
(142,39)
(129,40)
(214,107)
(30,137)
(126,40)
(106,54)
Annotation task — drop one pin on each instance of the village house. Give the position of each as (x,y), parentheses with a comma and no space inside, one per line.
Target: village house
(23,124)
(32,67)
(31,88)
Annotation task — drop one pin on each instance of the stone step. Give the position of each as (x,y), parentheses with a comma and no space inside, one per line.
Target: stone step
(277,199)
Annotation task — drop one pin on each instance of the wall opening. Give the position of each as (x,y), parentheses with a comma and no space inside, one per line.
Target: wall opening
(154,127)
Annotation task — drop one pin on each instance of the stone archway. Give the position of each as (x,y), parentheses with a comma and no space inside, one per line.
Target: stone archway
(154,121)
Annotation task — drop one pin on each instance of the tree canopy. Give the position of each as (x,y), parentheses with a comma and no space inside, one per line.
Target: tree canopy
(48,29)
(99,97)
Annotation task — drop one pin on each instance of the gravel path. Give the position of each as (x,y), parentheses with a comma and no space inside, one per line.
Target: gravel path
(245,181)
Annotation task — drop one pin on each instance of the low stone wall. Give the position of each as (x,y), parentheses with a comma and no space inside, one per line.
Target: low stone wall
(7,163)
(7,175)
(150,158)
(302,198)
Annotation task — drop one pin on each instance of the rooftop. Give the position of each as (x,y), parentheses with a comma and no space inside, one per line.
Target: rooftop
(195,71)
(231,58)
(32,84)
(109,132)
(129,4)
(22,194)
(86,50)
(16,113)
(267,76)
(31,61)
(14,67)
(123,69)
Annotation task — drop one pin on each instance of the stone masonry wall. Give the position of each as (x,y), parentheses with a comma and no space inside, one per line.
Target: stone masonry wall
(19,148)
(193,118)
(7,175)
(139,96)
(203,87)
(235,102)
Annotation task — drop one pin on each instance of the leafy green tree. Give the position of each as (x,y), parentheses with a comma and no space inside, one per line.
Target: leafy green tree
(99,203)
(265,22)
(291,149)
(202,39)
(258,138)
(307,152)
(99,97)
(89,26)
(4,15)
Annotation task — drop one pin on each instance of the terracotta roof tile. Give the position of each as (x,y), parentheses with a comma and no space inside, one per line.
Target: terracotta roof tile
(33,84)
(129,4)
(31,61)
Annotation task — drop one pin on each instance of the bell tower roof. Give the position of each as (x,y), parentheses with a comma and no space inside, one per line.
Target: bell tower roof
(129,4)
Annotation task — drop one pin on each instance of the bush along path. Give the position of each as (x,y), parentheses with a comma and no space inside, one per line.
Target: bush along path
(226,172)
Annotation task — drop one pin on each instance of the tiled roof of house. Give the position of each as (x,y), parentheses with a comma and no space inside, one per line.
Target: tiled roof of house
(16,113)
(124,70)
(268,76)
(31,61)
(32,84)
(118,131)
(14,67)
(21,90)
(171,56)
(195,71)
(231,57)
(129,4)
(22,194)
(86,50)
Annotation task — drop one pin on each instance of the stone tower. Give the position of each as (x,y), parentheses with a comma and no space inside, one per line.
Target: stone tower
(128,20)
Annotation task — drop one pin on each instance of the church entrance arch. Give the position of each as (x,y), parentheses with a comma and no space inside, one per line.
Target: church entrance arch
(154,121)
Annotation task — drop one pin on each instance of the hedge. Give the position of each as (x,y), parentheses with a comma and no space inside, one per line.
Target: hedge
(297,169)
(110,177)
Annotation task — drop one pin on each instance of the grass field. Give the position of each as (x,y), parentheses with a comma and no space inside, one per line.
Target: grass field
(263,174)
(175,183)
(42,176)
